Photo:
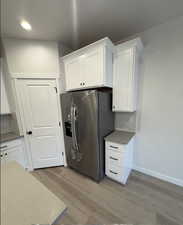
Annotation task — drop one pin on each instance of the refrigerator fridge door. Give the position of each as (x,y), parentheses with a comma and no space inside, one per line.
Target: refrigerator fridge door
(80,116)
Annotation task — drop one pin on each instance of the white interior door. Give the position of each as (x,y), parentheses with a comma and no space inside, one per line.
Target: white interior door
(39,103)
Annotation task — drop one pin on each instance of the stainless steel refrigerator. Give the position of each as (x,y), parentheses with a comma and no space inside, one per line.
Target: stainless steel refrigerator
(87,119)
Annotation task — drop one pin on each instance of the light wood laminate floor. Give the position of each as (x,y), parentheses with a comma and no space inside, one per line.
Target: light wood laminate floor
(144,200)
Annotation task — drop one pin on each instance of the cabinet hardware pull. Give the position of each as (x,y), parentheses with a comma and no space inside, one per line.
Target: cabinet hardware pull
(56,89)
(5,146)
(113,172)
(1,156)
(113,158)
(6,153)
(113,147)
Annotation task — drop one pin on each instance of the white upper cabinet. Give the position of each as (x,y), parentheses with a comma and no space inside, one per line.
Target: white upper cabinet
(5,109)
(125,76)
(90,66)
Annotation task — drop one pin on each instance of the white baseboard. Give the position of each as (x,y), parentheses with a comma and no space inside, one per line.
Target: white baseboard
(159,175)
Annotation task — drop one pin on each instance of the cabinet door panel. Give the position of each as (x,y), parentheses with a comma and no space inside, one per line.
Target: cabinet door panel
(92,67)
(15,154)
(123,80)
(73,74)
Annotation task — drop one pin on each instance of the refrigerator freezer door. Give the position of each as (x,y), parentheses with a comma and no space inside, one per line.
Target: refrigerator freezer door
(83,106)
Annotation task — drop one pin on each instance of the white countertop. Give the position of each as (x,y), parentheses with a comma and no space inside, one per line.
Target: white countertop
(24,200)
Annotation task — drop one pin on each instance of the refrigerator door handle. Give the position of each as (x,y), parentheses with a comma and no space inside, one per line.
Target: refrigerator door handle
(73,126)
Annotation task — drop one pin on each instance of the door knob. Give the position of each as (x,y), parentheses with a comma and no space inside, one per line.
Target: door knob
(29,132)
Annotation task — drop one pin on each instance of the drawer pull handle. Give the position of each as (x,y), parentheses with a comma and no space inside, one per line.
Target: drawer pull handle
(113,158)
(113,172)
(5,146)
(113,147)
(6,153)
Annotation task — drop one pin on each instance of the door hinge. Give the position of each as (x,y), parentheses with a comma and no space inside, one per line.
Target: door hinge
(56,89)
(59,124)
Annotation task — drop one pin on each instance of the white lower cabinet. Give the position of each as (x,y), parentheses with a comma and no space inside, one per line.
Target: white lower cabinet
(13,151)
(118,161)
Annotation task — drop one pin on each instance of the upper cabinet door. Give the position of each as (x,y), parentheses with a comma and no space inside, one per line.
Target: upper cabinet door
(92,68)
(74,77)
(125,78)
(122,81)
(93,65)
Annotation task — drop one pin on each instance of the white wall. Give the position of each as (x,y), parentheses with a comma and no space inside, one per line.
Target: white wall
(159,144)
(32,57)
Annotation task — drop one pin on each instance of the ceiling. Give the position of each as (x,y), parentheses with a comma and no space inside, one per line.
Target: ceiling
(79,22)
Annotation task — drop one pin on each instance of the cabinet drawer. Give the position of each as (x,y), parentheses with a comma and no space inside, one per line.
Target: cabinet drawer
(10,144)
(114,146)
(114,172)
(113,158)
